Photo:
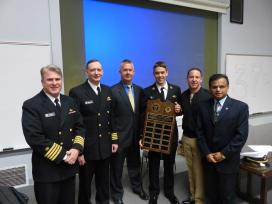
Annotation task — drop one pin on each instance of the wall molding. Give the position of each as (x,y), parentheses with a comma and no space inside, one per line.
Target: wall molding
(209,5)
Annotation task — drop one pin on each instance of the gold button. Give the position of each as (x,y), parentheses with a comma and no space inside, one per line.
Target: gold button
(61,143)
(100,135)
(108,123)
(98,114)
(108,111)
(109,133)
(59,132)
(71,129)
(46,149)
(99,125)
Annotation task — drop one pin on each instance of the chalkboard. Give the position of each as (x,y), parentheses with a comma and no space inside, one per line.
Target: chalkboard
(250,80)
(19,80)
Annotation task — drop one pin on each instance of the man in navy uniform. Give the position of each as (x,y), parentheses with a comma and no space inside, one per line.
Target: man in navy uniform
(95,104)
(127,109)
(53,128)
(165,91)
(222,130)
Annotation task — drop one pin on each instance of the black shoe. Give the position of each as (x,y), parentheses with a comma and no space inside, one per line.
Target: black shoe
(142,194)
(188,201)
(119,201)
(153,199)
(172,198)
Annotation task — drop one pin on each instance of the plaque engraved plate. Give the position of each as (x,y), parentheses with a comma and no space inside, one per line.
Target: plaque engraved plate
(159,126)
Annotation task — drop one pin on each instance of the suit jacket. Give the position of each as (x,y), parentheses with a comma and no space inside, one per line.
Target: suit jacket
(173,95)
(227,135)
(127,121)
(50,137)
(97,118)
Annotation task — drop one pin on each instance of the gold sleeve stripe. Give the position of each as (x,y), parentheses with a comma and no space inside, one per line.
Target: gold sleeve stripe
(114,136)
(53,152)
(57,153)
(79,140)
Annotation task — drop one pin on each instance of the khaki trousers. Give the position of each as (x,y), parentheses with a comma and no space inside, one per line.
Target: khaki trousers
(195,170)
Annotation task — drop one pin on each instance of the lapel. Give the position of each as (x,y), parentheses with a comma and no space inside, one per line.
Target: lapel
(211,110)
(103,98)
(155,92)
(89,92)
(225,108)
(170,92)
(50,106)
(64,109)
(136,97)
(124,95)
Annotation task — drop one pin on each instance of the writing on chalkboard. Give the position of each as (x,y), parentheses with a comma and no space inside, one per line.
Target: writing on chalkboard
(250,80)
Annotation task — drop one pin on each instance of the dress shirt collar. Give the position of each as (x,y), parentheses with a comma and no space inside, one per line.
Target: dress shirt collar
(52,98)
(222,101)
(165,86)
(94,87)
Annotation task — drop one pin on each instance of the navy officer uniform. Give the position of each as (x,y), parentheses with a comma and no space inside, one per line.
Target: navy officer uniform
(50,136)
(96,110)
(173,95)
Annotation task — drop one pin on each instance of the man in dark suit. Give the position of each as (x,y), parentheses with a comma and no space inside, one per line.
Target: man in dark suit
(95,104)
(53,128)
(222,130)
(189,100)
(127,109)
(165,91)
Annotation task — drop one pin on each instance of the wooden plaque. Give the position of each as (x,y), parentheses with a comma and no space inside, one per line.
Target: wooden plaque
(159,126)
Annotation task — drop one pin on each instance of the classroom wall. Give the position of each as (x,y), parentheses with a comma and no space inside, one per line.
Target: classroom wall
(253,37)
(28,21)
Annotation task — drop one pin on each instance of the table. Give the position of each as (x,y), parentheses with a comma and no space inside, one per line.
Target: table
(264,173)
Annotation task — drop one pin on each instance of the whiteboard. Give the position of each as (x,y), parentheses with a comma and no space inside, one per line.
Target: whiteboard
(20,79)
(250,79)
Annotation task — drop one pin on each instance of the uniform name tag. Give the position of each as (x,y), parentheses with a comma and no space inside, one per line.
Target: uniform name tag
(89,102)
(47,115)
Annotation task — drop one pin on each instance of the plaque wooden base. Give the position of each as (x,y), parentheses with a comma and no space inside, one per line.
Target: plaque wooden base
(159,126)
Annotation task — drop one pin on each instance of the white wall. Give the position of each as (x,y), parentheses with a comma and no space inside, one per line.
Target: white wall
(252,37)
(29,21)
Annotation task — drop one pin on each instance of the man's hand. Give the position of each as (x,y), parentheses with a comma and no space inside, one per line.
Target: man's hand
(114,148)
(72,155)
(215,157)
(81,160)
(219,156)
(177,108)
(210,158)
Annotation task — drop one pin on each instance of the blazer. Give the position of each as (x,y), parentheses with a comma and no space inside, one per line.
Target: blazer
(227,135)
(50,137)
(126,120)
(173,95)
(97,118)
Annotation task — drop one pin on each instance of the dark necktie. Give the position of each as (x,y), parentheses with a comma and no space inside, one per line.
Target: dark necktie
(162,94)
(58,109)
(98,91)
(217,109)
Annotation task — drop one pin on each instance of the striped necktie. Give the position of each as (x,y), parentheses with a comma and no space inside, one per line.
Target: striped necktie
(131,97)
